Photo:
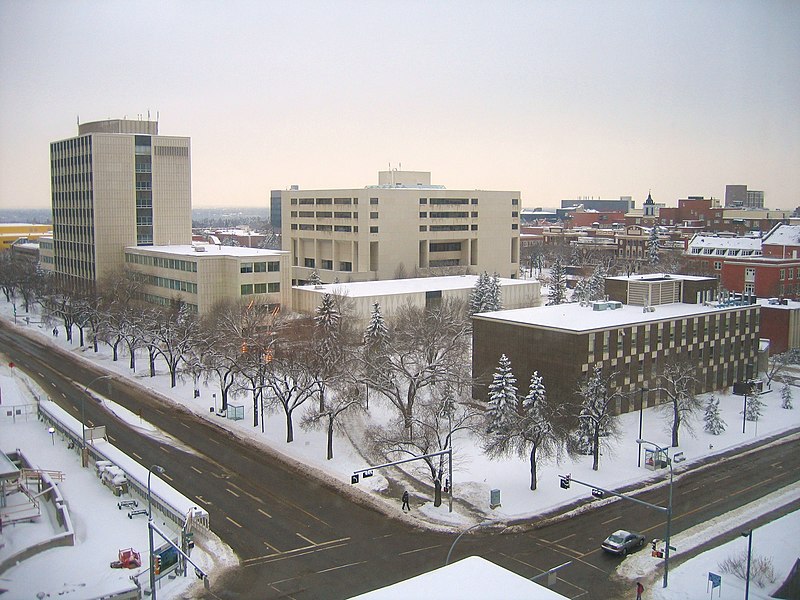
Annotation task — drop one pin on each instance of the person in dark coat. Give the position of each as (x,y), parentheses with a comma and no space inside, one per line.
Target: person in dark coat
(639,590)
(406,505)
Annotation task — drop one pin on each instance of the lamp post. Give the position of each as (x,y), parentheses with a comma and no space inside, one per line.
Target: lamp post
(659,449)
(641,415)
(83,416)
(158,470)
(749,536)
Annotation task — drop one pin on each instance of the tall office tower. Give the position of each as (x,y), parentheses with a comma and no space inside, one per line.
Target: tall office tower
(117,184)
(738,196)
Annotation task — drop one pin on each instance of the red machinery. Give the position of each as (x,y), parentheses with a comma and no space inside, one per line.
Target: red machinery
(128,559)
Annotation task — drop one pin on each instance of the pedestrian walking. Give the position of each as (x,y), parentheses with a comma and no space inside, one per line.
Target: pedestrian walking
(406,505)
(639,590)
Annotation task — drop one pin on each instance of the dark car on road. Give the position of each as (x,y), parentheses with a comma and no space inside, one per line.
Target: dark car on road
(621,542)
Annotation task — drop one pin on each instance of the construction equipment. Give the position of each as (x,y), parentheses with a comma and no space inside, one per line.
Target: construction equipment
(128,559)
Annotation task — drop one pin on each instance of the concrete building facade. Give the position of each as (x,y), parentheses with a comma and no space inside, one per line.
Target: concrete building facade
(117,184)
(403,225)
(204,275)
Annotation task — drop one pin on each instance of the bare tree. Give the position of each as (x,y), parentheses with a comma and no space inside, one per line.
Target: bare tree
(337,404)
(597,413)
(677,382)
(173,335)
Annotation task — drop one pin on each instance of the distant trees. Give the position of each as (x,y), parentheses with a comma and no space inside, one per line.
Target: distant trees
(591,288)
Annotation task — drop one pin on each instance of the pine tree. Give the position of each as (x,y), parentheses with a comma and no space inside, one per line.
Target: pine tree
(713,421)
(582,291)
(753,407)
(376,334)
(327,324)
(557,284)
(314,278)
(597,283)
(786,397)
(494,295)
(477,296)
(652,245)
(502,397)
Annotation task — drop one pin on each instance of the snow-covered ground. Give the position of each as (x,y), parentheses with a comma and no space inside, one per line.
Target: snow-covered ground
(474,475)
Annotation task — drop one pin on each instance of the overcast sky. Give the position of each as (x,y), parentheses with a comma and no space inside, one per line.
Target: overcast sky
(555,99)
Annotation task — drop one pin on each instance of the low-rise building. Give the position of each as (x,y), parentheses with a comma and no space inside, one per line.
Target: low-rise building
(204,275)
(419,292)
(634,341)
(11,232)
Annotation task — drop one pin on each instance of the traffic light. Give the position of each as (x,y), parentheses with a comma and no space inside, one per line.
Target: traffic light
(157,564)
(354,478)
(597,493)
(565,482)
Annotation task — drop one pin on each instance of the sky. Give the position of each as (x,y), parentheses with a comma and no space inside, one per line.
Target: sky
(555,99)
(474,477)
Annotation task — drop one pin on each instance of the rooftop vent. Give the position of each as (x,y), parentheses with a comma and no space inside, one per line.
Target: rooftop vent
(199,248)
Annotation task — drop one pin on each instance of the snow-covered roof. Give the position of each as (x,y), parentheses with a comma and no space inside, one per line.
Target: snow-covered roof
(195,251)
(404,286)
(472,578)
(659,277)
(577,319)
(784,235)
(713,241)
(786,304)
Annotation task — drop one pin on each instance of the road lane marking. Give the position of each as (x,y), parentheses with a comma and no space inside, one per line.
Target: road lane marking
(777,464)
(53,384)
(420,549)
(111,437)
(136,455)
(211,439)
(302,537)
(202,500)
(721,478)
(64,396)
(342,567)
(265,514)
(185,425)
(230,491)
(165,449)
(167,477)
(234,522)
(563,538)
(75,408)
(271,547)
(195,469)
(610,520)
(249,562)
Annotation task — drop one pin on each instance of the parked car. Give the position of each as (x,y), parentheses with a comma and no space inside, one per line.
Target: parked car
(621,542)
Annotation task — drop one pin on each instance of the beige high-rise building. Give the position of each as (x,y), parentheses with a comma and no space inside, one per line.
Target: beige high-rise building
(117,184)
(403,225)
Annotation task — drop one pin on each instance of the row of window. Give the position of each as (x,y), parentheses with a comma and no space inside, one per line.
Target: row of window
(327,201)
(171,150)
(176,264)
(260,267)
(260,288)
(725,252)
(160,301)
(328,264)
(171,284)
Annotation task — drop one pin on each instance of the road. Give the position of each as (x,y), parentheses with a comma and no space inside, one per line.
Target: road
(302,537)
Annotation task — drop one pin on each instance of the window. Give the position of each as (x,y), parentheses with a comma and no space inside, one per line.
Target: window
(449,215)
(345,266)
(423,215)
(717,265)
(307,213)
(246,268)
(514,214)
(445,247)
(260,288)
(515,226)
(324,214)
(373,201)
(474,214)
(423,228)
(373,230)
(449,227)
(273,266)
(324,227)
(324,201)
(474,201)
(423,200)
(373,215)
(309,262)
(260,267)
(273,287)
(515,202)
(305,227)
(782,275)
(327,264)
(247,289)
(474,227)
(342,215)
(342,228)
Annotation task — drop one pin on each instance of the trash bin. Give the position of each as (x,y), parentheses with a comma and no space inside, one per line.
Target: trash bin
(494,500)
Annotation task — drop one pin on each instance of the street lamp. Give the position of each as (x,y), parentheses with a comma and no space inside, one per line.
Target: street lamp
(52,432)
(641,410)
(158,470)
(749,536)
(659,449)
(83,416)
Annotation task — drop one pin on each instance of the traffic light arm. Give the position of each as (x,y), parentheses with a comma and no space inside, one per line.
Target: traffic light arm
(613,493)
(405,460)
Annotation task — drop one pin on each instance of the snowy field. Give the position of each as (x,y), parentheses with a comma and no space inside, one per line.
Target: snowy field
(474,475)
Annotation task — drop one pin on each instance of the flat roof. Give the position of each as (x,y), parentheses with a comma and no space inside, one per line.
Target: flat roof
(390,287)
(211,250)
(578,319)
(661,277)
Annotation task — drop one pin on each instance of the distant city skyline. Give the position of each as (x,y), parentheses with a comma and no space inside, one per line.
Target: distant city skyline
(557,100)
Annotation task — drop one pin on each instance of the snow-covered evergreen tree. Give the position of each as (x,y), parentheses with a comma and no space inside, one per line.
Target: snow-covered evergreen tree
(557,283)
(582,293)
(753,407)
(314,278)
(652,245)
(597,412)
(786,397)
(478,294)
(327,342)
(376,334)
(494,300)
(502,397)
(713,421)
(597,283)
